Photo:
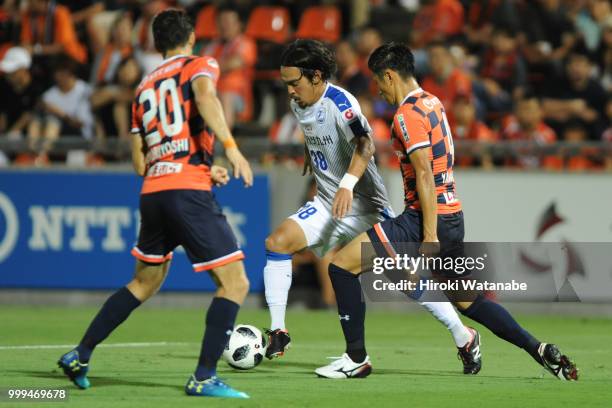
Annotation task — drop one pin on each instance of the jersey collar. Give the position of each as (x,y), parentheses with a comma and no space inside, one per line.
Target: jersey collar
(412,93)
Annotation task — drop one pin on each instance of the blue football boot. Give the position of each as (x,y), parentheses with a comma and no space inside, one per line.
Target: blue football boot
(74,369)
(212,387)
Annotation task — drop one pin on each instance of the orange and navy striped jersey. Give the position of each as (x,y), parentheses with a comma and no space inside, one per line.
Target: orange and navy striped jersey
(420,123)
(178,146)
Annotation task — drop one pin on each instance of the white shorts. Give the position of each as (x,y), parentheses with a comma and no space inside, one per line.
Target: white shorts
(323,232)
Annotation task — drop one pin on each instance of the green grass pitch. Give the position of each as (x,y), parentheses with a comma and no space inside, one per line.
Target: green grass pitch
(414,360)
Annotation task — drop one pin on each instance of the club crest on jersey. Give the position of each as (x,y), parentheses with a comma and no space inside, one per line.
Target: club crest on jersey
(403,128)
(321,116)
(348,115)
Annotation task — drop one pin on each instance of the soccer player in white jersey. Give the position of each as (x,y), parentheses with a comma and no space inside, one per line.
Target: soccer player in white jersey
(351,196)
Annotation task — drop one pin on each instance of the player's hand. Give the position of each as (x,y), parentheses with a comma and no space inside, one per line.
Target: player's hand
(342,204)
(430,247)
(219,175)
(240,165)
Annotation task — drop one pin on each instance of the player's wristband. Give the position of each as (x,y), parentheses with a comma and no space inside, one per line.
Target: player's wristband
(229,143)
(348,181)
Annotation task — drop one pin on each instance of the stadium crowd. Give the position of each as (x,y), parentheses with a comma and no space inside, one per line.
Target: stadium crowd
(525,83)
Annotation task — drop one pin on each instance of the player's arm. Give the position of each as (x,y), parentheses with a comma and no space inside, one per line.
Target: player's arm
(138,157)
(426,189)
(307,162)
(364,150)
(209,107)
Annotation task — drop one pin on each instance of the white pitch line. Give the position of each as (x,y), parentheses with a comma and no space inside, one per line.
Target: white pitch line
(112,345)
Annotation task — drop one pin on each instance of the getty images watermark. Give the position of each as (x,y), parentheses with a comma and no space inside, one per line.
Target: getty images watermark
(516,271)
(415,268)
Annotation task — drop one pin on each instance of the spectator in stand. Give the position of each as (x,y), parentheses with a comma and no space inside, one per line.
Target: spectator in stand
(483,15)
(604,56)
(527,125)
(577,96)
(445,80)
(117,49)
(368,39)
(578,157)
(47,30)
(145,52)
(607,136)
(503,73)
(350,75)
(437,20)
(20,94)
(466,127)
(590,22)
(381,134)
(83,13)
(111,101)
(236,54)
(9,25)
(547,37)
(66,109)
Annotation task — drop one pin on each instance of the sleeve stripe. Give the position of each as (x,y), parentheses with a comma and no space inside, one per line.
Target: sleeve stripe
(199,74)
(135,130)
(417,146)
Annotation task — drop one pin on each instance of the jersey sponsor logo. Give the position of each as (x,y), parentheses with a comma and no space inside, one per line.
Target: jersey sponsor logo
(175,146)
(163,168)
(349,114)
(319,141)
(321,115)
(403,127)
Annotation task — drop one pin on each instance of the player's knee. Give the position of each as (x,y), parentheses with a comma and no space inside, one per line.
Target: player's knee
(344,262)
(150,277)
(277,243)
(238,287)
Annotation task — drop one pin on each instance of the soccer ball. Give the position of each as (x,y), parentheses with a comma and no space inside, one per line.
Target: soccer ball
(246,347)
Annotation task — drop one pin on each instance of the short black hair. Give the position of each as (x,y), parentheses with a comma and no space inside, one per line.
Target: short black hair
(309,56)
(394,56)
(65,63)
(171,29)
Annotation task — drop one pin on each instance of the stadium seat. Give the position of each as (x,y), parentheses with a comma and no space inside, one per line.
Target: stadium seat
(269,24)
(320,23)
(206,23)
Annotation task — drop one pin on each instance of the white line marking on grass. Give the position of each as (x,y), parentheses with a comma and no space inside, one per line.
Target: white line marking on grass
(111,345)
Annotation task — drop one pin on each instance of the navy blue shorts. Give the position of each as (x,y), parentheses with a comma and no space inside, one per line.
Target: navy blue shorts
(404,235)
(191,218)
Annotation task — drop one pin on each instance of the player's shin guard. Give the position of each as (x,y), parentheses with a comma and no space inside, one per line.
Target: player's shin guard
(497,319)
(277,281)
(445,313)
(351,309)
(115,310)
(220,320)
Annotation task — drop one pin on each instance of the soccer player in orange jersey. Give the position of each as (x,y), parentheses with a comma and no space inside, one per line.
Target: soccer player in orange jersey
(176,117)
(432,219)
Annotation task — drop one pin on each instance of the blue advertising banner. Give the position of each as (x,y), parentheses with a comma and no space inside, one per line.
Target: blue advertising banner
(75,230)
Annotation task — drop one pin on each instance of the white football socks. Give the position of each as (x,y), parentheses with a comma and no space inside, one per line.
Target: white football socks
(445,313)
(277,281)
